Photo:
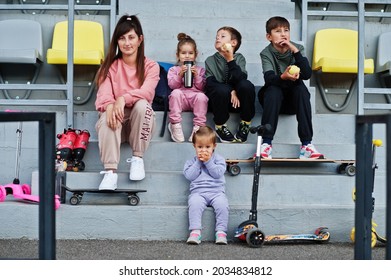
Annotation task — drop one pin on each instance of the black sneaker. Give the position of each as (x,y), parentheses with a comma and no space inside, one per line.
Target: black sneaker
(241,135)
(225,135)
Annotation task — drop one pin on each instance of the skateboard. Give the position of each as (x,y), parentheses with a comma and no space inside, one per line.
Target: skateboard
(320,235)
(77,194)
(344,166)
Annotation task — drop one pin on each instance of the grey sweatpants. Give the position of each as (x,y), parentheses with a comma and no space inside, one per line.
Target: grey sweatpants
(137,130)
(199,201)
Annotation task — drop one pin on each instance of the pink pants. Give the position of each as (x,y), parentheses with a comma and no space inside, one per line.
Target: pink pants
(188,100)
(137,130)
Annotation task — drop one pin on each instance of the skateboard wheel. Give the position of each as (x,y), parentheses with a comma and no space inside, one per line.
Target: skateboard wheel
(234,170)
(350,170)
(133,199)
(3,193)
(74,200)
(255,238)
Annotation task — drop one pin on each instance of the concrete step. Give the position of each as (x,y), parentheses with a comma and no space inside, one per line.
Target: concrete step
(171,188)
(158,222)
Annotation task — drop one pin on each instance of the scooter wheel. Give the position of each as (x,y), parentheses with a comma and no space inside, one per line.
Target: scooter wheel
(255,238)
(3,193)
(373,237)
(26,189)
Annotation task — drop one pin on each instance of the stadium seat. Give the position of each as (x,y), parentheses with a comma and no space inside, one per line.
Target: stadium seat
(88,48)
(383,60)
(21,43)
(336,52)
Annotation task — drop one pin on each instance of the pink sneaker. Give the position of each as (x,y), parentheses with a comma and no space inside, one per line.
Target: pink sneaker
(176,132)
(195,129)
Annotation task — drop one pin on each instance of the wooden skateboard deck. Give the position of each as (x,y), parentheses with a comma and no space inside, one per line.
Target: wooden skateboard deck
(77,194)
(345,166)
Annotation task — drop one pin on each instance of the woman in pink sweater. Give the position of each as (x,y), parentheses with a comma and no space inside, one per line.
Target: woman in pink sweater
(127,82)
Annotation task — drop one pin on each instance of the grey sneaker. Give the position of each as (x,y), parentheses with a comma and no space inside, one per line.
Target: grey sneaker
(225,135)
(109,181)
(221,238)
(194,238)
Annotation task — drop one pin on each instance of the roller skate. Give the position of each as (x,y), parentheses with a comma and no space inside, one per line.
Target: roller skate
(79,149)
(64,148)
(71,149)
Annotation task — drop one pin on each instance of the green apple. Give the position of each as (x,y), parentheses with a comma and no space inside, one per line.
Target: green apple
(294,70)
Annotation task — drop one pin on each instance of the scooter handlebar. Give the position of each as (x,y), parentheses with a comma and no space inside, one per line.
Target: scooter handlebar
(260,129)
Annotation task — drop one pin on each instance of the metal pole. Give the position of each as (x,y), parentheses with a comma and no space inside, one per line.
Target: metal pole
(361,57)
(363,211)
(47,218)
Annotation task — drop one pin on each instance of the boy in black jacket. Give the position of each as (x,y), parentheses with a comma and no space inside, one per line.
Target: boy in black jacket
(284,68)
(227,86)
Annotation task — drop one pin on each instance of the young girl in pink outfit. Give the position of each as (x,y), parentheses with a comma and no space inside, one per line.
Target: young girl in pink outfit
(186,99)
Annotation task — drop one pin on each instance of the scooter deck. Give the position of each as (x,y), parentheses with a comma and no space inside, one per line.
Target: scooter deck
(77,194)
(278,238)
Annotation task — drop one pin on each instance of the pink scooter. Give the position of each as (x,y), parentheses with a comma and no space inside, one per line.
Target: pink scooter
(21,191)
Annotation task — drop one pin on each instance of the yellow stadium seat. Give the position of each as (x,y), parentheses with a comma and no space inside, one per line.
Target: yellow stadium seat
(336,52)
(88,43)
(88,48)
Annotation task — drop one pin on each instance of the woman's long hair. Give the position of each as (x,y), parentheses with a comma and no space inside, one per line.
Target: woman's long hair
(125,24)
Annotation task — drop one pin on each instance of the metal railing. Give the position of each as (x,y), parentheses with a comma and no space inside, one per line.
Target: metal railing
(47,218)
(68,87)
(360,14)
(364,185)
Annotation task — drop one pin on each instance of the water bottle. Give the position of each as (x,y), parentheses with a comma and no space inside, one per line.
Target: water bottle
(188,77)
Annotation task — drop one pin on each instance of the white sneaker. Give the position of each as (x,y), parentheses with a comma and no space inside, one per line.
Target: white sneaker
(195,129)
(266,151)
(137,171)
(176,132)
(109,181)
(310,152)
